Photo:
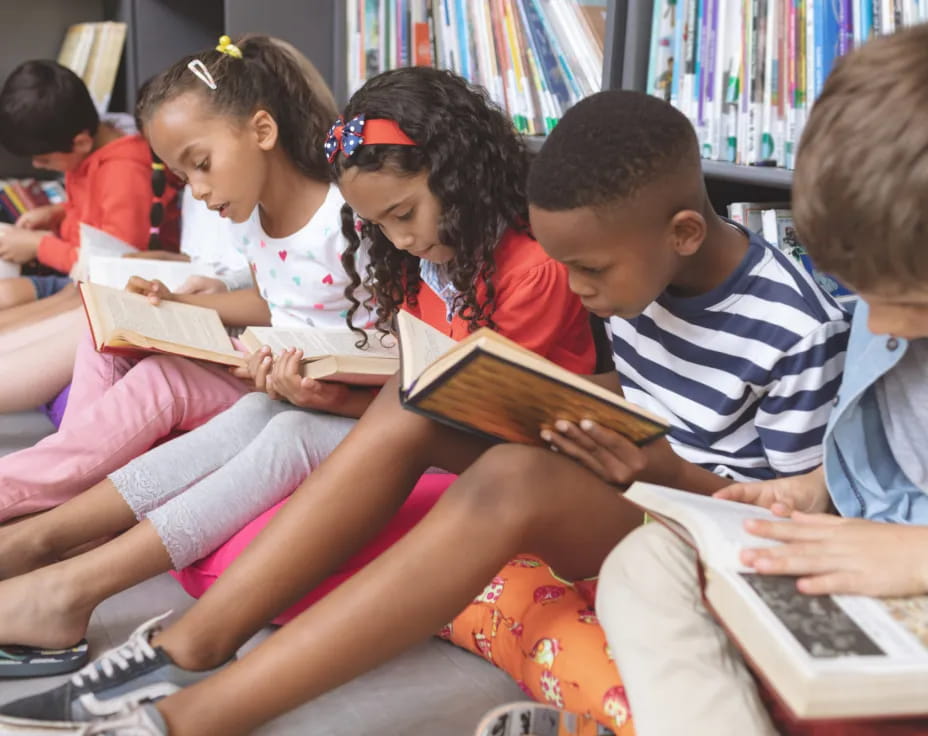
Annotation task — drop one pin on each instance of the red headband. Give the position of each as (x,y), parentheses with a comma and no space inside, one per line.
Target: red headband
(358,132)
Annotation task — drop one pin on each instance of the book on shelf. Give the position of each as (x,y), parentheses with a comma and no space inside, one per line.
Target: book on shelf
(18,196)
(534,57)
(93,52)
(126,323)
(491,386)
(747,73)
(778,229)
(837,657)
(331,354)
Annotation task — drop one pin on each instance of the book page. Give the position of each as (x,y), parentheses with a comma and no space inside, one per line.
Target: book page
(320,342)
(716,525)
(168,322)
(115,272)
(420,345)
(96,242)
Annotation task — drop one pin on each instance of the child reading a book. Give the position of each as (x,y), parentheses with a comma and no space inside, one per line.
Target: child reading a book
(46,113)
(251,149)
(455,260)
(635,225)
(682,673)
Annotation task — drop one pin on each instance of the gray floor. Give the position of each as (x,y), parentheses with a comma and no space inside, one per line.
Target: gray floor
(432,690)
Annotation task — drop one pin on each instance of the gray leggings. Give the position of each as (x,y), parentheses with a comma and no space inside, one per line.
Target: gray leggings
(201,488)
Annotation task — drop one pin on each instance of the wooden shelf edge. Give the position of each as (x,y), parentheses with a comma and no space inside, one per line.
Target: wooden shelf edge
(767,176)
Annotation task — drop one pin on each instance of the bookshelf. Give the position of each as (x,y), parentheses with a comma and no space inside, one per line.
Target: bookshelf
(726,181)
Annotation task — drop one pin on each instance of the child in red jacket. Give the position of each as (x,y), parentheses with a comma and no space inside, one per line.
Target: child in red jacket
(46,112)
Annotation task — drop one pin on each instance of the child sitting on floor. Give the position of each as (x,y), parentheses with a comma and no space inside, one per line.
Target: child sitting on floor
(864,219)
(47,113)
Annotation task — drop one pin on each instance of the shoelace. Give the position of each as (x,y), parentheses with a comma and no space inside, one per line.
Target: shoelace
(136,649)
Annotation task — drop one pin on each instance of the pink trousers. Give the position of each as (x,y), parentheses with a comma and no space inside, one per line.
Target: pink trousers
(118,408)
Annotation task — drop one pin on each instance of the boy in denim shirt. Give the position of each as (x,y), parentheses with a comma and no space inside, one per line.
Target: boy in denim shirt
(863,218)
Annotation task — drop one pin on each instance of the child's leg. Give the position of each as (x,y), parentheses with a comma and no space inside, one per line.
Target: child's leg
(333,514)
(31,311)
(186,527)
(152,479)
(543,632)
(36,362)
(157,395)
(193,524)
(513,499)
(682,673)
(16,291)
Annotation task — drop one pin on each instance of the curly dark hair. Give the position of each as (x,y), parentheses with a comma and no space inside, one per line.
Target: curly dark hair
(633,138)
(477,167)
(271,75)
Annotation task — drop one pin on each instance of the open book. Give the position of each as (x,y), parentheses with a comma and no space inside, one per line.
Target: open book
(330,354)
(825,657)
(490,385)
(128,323)
(101,261)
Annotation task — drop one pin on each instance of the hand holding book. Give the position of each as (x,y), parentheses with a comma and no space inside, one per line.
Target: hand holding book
(286,382)
(832,554)
(806,492)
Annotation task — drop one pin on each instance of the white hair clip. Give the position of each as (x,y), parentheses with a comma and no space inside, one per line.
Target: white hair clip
(202,73)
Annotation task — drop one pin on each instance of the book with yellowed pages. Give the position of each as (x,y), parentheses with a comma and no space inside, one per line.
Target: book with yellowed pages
(834,658)
(122,322)
(489,385)
(331,354)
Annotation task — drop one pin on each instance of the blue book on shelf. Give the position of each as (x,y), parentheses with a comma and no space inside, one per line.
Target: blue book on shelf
(460,20)
(866,20)
(827,32)
(541,46)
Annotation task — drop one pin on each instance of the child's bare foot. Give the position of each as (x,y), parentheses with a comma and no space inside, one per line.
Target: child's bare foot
(23,550)
(45,608)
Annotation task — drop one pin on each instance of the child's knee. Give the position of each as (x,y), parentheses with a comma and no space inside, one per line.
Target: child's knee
(642,566)
(503,482)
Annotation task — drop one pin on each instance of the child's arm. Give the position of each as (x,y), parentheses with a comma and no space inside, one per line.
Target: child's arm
(19,245)
(241,308)
(285,382)
(46,217)
(831,554)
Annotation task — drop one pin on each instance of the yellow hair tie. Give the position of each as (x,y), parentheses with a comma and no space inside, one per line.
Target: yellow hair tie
(228,48)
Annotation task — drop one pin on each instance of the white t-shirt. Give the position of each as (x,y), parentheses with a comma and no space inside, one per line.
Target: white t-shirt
(301,276)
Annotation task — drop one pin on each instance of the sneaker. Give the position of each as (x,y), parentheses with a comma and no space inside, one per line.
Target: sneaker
(534,719)
(128,675)
(137,720)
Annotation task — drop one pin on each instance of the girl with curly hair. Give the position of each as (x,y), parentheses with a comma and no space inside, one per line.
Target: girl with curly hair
(434,180)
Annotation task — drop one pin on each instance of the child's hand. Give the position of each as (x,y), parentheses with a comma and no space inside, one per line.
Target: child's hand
(782,496)
(18,245)
(203,285)
(45,217)
(286,382)
(831,554)
(611,456)
(256,369)
(154,290)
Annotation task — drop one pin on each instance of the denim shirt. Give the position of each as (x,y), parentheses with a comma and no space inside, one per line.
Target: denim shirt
(863,476)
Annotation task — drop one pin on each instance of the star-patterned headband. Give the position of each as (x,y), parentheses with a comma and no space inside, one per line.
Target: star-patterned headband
(350,136)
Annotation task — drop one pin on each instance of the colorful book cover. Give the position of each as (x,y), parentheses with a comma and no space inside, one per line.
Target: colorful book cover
(827,32)
(546,56)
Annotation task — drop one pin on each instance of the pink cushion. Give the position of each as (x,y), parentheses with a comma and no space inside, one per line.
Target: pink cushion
(197,578)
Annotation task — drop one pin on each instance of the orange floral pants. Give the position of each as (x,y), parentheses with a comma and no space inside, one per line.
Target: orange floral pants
(544,633)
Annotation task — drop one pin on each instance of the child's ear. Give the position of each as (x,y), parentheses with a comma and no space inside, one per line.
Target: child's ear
(688,229)
(82,143)
(266,130)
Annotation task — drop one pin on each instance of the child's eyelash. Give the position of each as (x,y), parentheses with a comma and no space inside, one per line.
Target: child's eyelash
(405,216)
(203,165)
